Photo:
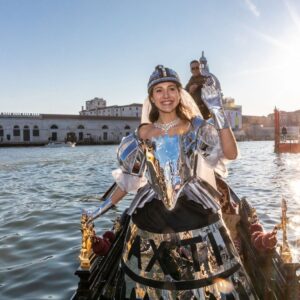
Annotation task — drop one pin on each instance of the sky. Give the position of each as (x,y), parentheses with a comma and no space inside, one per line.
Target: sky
(57,54)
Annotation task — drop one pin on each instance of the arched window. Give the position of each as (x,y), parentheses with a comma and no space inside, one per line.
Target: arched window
(26,133)
(127,127)
(54,126)
(104,127)
(35,131)
(80,127)
(16,131)
(1,131)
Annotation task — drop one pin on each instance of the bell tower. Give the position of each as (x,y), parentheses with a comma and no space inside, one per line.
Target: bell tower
(203,63)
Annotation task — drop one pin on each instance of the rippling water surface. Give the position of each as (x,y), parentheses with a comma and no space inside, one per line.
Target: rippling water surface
(44,189)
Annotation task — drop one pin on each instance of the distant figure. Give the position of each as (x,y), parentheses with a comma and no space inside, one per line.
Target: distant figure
(283,133)
(194,87)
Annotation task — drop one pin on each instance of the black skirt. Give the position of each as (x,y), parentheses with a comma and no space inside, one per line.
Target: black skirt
(187,215)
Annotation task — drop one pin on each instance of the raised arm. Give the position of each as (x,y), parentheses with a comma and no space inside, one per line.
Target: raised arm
(228,142)
(118,195)
(212,97)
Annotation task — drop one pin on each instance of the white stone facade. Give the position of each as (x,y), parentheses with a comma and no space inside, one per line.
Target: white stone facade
(40,128)
(233,113)
(130,110)
(95,103)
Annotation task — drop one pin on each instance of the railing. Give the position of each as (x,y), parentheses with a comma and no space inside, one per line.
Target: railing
(289,138)
(19,115)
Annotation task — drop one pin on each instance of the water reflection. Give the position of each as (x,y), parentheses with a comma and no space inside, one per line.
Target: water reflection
(266,179)
(288,176)
(295,188)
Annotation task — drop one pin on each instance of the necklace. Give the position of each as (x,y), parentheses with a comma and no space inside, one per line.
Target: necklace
(167,126)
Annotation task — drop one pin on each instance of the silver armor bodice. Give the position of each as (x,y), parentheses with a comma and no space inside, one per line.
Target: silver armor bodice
(168,167)
(170,161)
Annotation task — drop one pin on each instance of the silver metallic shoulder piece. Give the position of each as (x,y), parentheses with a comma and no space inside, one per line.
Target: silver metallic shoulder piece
(197,122)
(198,125)
(208,135)
(210,121)
(131,156)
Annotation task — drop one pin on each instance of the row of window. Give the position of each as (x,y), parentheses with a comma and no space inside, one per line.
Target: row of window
(53,137)
(104,113)
(26,130)
(36,131)
(82,127)
(56,127)
(113,109)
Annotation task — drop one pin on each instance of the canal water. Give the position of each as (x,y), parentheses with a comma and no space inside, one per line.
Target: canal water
(43,190)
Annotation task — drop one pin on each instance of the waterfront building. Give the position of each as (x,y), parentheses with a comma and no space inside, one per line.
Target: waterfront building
(234,115)
(262,127)
(39,129)
(95,103)
(97,107)
(291,118)
(233,112)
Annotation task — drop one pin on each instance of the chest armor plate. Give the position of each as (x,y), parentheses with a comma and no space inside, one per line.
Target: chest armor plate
(170,164)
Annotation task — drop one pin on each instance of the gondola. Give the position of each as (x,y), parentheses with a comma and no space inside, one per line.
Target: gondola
(273,274)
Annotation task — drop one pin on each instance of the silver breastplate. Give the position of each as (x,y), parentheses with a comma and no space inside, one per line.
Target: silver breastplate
(169,166)
(171,161)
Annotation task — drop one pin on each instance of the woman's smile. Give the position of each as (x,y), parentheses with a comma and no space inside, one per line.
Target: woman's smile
(167,102)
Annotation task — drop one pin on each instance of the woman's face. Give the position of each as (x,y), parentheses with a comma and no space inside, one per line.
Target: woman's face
(166,96)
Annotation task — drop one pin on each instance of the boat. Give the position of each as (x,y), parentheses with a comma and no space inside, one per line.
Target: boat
(282,144)
(273,274)
(60,144)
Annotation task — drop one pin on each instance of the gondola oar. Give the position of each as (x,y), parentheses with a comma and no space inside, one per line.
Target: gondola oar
(108,192)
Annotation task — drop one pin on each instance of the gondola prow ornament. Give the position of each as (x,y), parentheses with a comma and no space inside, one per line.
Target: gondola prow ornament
(285,251)
(88,233)
(90,242)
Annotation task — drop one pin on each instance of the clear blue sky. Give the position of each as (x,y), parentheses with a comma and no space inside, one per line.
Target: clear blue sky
(56,54)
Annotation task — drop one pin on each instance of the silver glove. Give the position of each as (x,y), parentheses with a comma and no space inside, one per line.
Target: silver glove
(212,97)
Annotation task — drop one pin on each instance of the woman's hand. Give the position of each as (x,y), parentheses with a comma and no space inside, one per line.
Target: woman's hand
(112,199)
(103,208)
(212,97)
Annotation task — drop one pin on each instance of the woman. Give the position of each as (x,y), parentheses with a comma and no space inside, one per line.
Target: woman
(177,246)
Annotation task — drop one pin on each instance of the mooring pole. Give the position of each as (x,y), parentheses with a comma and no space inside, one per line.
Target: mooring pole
(276,130)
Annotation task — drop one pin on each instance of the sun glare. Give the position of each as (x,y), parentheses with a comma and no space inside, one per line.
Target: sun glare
(291,56)
(282,62)
(287,51)
(295,188)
